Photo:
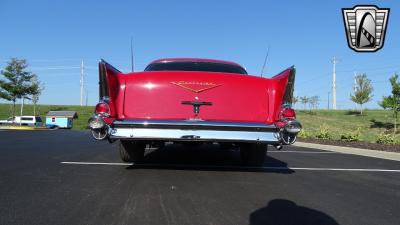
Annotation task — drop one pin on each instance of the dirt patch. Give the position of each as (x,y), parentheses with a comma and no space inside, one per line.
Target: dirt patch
(354,144)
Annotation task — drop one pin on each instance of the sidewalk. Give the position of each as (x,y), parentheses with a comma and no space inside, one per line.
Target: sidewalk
(355,151)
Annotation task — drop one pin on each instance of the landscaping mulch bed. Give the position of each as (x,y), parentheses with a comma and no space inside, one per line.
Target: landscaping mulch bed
(354,144)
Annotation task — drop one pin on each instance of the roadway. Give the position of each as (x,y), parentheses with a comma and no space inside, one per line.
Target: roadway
(65,177)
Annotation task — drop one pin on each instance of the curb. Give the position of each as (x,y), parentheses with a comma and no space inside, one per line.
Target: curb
(354,151)
(22,128)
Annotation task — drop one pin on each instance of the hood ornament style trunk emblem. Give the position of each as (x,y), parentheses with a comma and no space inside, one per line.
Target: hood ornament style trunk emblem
(196,105)
(195,86)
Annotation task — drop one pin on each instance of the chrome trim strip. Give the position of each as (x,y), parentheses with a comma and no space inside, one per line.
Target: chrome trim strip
(194,135)
(194,125)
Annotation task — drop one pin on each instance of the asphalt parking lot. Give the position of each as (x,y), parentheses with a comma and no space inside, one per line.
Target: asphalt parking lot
(65,177)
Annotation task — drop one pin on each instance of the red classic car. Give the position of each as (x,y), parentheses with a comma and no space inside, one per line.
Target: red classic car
(195,100)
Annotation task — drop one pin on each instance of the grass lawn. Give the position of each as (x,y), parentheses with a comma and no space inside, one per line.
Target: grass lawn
(84,112)
(337,122)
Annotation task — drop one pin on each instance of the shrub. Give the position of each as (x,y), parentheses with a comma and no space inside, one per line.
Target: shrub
(351,136)
(323,132)
(388,139)
(304,134)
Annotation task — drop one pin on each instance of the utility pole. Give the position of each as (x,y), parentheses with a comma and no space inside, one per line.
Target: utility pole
(334,61)
(354,88)
(87,97)
(22,109)
(22,106)
(82,82)
(328,98)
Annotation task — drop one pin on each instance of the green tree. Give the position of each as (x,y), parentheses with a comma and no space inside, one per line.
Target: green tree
(363,91)
(392,102)
(17,82)
(38,88)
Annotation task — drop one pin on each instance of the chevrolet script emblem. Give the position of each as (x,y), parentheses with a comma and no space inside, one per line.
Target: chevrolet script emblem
(365,27)
(196,87)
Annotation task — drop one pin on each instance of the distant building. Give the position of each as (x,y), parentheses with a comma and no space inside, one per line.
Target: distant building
(61,119)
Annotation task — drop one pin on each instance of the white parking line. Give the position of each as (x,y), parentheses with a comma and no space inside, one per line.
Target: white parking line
(305,152)
(98,163)
(345,169)
(238,167)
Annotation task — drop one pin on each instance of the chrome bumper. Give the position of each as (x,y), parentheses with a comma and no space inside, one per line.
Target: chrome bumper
(194,131)
(193,135)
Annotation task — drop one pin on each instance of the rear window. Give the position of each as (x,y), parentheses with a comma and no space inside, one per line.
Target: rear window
(196,66)
(27,118)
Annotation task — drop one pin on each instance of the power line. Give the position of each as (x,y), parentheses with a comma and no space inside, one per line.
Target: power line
(343,71)
(55,68)
(393,68)
(52,68)
(371,69)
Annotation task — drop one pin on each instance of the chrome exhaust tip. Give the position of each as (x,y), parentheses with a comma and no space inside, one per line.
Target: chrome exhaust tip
(98,128)
(289,132)
(96,122)
(293,127)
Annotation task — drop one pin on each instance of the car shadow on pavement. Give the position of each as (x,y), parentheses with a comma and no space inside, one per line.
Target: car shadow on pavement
(205,158)
(285,212)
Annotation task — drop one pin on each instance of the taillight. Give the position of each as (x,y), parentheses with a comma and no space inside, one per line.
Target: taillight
(102,109)
(287,114)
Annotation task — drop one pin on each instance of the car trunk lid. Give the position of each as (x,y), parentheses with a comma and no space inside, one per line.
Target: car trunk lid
(176,95)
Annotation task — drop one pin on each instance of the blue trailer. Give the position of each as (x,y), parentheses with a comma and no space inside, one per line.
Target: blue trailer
(60,119)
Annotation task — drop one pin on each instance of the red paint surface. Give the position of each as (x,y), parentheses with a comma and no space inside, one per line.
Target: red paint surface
(237,98)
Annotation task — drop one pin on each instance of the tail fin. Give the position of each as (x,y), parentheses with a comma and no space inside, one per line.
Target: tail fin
(108,84)
(286,79)
(281,92)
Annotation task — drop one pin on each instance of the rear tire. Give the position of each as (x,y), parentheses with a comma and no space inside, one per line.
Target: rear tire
(130,151)
(253,154)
